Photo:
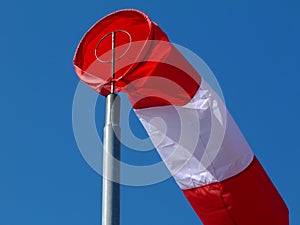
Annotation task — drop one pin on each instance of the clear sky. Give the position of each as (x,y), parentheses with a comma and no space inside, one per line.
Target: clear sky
(251,46)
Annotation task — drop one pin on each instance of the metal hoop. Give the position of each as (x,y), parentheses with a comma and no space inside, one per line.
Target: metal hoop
(105,36)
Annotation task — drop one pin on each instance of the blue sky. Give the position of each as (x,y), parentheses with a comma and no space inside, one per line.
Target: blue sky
(251,46)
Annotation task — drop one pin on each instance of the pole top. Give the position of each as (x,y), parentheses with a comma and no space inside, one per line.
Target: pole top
(113,60)
(106,36)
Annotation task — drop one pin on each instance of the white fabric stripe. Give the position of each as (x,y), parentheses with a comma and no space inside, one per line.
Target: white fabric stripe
(199,142)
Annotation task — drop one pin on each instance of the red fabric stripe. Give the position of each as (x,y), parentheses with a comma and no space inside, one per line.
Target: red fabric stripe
(248,198)
(152,72)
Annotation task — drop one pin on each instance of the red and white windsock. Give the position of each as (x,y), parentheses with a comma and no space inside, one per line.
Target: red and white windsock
(185,118)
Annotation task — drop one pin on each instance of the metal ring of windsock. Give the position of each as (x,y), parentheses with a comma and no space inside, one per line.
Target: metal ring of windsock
(103,39)
(233,188)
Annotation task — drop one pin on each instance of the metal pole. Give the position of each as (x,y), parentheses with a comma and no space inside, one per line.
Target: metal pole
(113,58)
(111,165)
(111,156)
